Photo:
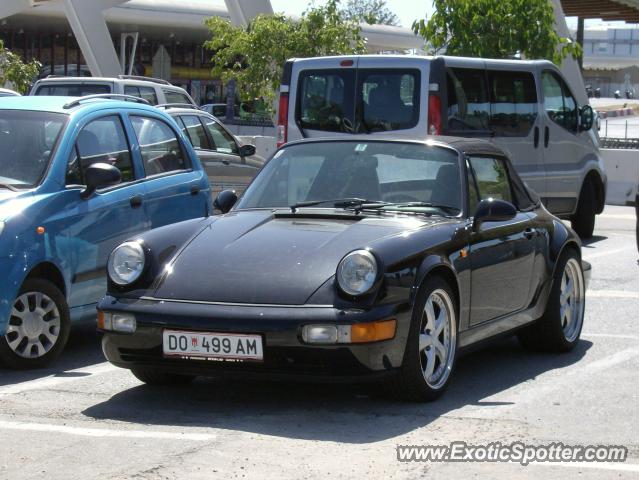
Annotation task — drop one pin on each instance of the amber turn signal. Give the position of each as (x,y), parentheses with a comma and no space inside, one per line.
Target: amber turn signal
(373,332)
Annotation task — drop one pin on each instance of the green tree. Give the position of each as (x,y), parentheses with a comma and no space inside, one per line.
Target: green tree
(369,11)
(255,55)
(14,70)
(496,29)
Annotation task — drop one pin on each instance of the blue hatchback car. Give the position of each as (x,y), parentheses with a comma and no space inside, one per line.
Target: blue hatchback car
(77,177)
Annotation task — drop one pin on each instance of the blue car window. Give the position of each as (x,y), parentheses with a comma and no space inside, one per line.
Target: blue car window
(103,141)
(159,146)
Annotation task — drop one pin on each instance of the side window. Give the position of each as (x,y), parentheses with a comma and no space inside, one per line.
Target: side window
(175,97)
(195,131)
(513,106)
(468,101)
(559,104)
(222,141)
(473,194)
(492,178)
(147,93)
(132,90)
(101,141)
(159,146)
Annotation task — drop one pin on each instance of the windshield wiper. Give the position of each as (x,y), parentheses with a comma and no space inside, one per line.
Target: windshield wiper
(10,187)
(338,202)
(427,204)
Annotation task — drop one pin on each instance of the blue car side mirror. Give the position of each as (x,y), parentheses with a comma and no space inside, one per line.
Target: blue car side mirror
(100,175)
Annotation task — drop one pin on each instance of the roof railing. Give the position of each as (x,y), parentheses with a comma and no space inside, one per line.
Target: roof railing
(178,105)
(105,96)
(146,79)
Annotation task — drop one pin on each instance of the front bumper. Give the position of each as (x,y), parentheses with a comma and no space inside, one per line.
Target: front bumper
(285,354)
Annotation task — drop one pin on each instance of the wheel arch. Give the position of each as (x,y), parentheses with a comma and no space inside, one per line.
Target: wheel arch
(435,265)
(596,178)
(48,271)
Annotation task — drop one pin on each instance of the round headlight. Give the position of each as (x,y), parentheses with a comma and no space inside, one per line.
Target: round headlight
(126,263)
(356,272)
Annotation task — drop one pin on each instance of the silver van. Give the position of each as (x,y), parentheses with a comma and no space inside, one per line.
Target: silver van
(156,91)
(525,107)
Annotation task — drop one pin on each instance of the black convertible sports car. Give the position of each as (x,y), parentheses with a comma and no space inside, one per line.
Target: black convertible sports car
(349,259)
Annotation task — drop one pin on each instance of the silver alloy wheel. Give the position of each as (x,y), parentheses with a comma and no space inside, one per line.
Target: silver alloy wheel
(571,299)
(437,338)
(34,325)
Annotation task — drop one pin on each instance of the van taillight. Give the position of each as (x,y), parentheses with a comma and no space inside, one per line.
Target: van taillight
(282,120)
(434,115)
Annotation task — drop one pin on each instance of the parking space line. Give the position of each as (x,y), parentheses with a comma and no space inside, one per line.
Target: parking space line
(53,380)
(604,253)
(611,294)
(619,467)
(610,335)
(117,432)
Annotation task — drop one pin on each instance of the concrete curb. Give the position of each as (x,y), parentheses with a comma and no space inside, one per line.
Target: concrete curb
(620,112)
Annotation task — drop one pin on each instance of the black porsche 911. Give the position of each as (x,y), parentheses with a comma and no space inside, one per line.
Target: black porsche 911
(351,259)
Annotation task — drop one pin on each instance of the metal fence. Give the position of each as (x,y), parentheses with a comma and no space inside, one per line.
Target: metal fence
(618,133)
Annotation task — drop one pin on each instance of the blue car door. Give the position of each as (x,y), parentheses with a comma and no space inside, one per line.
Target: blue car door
(89,228)
(175,190)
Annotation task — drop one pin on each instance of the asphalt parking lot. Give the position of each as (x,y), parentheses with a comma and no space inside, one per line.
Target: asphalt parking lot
(84,419)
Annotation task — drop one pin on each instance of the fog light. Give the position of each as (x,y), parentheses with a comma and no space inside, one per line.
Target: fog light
(116,321)
(319,334)
(355,333)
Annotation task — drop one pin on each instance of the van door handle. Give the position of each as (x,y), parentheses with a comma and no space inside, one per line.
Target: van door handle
(135,201)
(195,190)
(530,233)
(536,141)
(546,136)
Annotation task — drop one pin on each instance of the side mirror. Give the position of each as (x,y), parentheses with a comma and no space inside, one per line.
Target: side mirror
(225,200)
(247,150)
(100,175)
(586,118)
(493,210)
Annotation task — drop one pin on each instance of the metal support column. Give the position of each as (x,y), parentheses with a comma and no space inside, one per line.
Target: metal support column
(580,41)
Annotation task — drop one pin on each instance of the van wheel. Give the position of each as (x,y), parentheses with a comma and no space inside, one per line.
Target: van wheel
(583,221)
(38,326)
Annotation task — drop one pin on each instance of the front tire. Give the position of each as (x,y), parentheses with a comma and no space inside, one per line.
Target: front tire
(583,221)
(151,376)
(558,330)
(38,327)
(431,348)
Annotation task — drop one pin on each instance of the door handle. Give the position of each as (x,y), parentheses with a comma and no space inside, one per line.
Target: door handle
(546,136)
(195,190)
(536,140)
(135,201)
(530,233)
(226,162)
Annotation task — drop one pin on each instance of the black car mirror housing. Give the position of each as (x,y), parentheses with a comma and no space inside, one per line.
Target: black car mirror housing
(586,118)
(493,210)
(100,175)
(225,200)
(247,150)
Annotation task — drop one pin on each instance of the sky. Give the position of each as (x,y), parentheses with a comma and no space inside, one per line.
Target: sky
(406,10)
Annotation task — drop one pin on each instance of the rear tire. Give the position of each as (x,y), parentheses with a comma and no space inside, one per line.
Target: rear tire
(583,221)
(558,330)
(38,327)
(431,347)
(151,376)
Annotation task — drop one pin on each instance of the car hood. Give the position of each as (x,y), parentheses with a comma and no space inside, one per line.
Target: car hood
(269,258)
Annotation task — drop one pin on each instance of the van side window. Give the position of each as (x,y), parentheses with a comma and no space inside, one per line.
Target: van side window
(175,97)
(101,141)
(147,93)
(468,102)
(492,178)
(513,106)
(326,100)
(559,103)
(390,99)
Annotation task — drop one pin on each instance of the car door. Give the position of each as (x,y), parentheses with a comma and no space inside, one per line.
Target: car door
(501,254)
(91,228)
(563,150)
(224,165)
(174,190)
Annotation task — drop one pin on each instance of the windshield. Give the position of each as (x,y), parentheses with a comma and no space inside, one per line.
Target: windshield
(402,175)
(27,139)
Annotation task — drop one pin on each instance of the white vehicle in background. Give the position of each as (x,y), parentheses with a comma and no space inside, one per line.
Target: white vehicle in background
(5,92)
(154,90)
(525,107)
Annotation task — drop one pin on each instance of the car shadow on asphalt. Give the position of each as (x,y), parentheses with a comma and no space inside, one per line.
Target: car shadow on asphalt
(340,413)
(589,242)
(83,349)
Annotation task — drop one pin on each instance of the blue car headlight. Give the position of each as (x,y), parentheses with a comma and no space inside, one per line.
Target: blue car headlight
(126,263)
(356,273)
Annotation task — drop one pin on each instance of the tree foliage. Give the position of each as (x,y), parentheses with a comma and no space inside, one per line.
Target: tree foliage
(255,55)
(369,11)
(496,29)
(14,70)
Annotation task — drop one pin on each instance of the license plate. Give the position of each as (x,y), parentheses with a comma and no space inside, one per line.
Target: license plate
(214,346)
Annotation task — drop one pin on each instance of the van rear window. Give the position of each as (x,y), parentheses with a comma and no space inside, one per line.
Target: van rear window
(72,90)
(358,101)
